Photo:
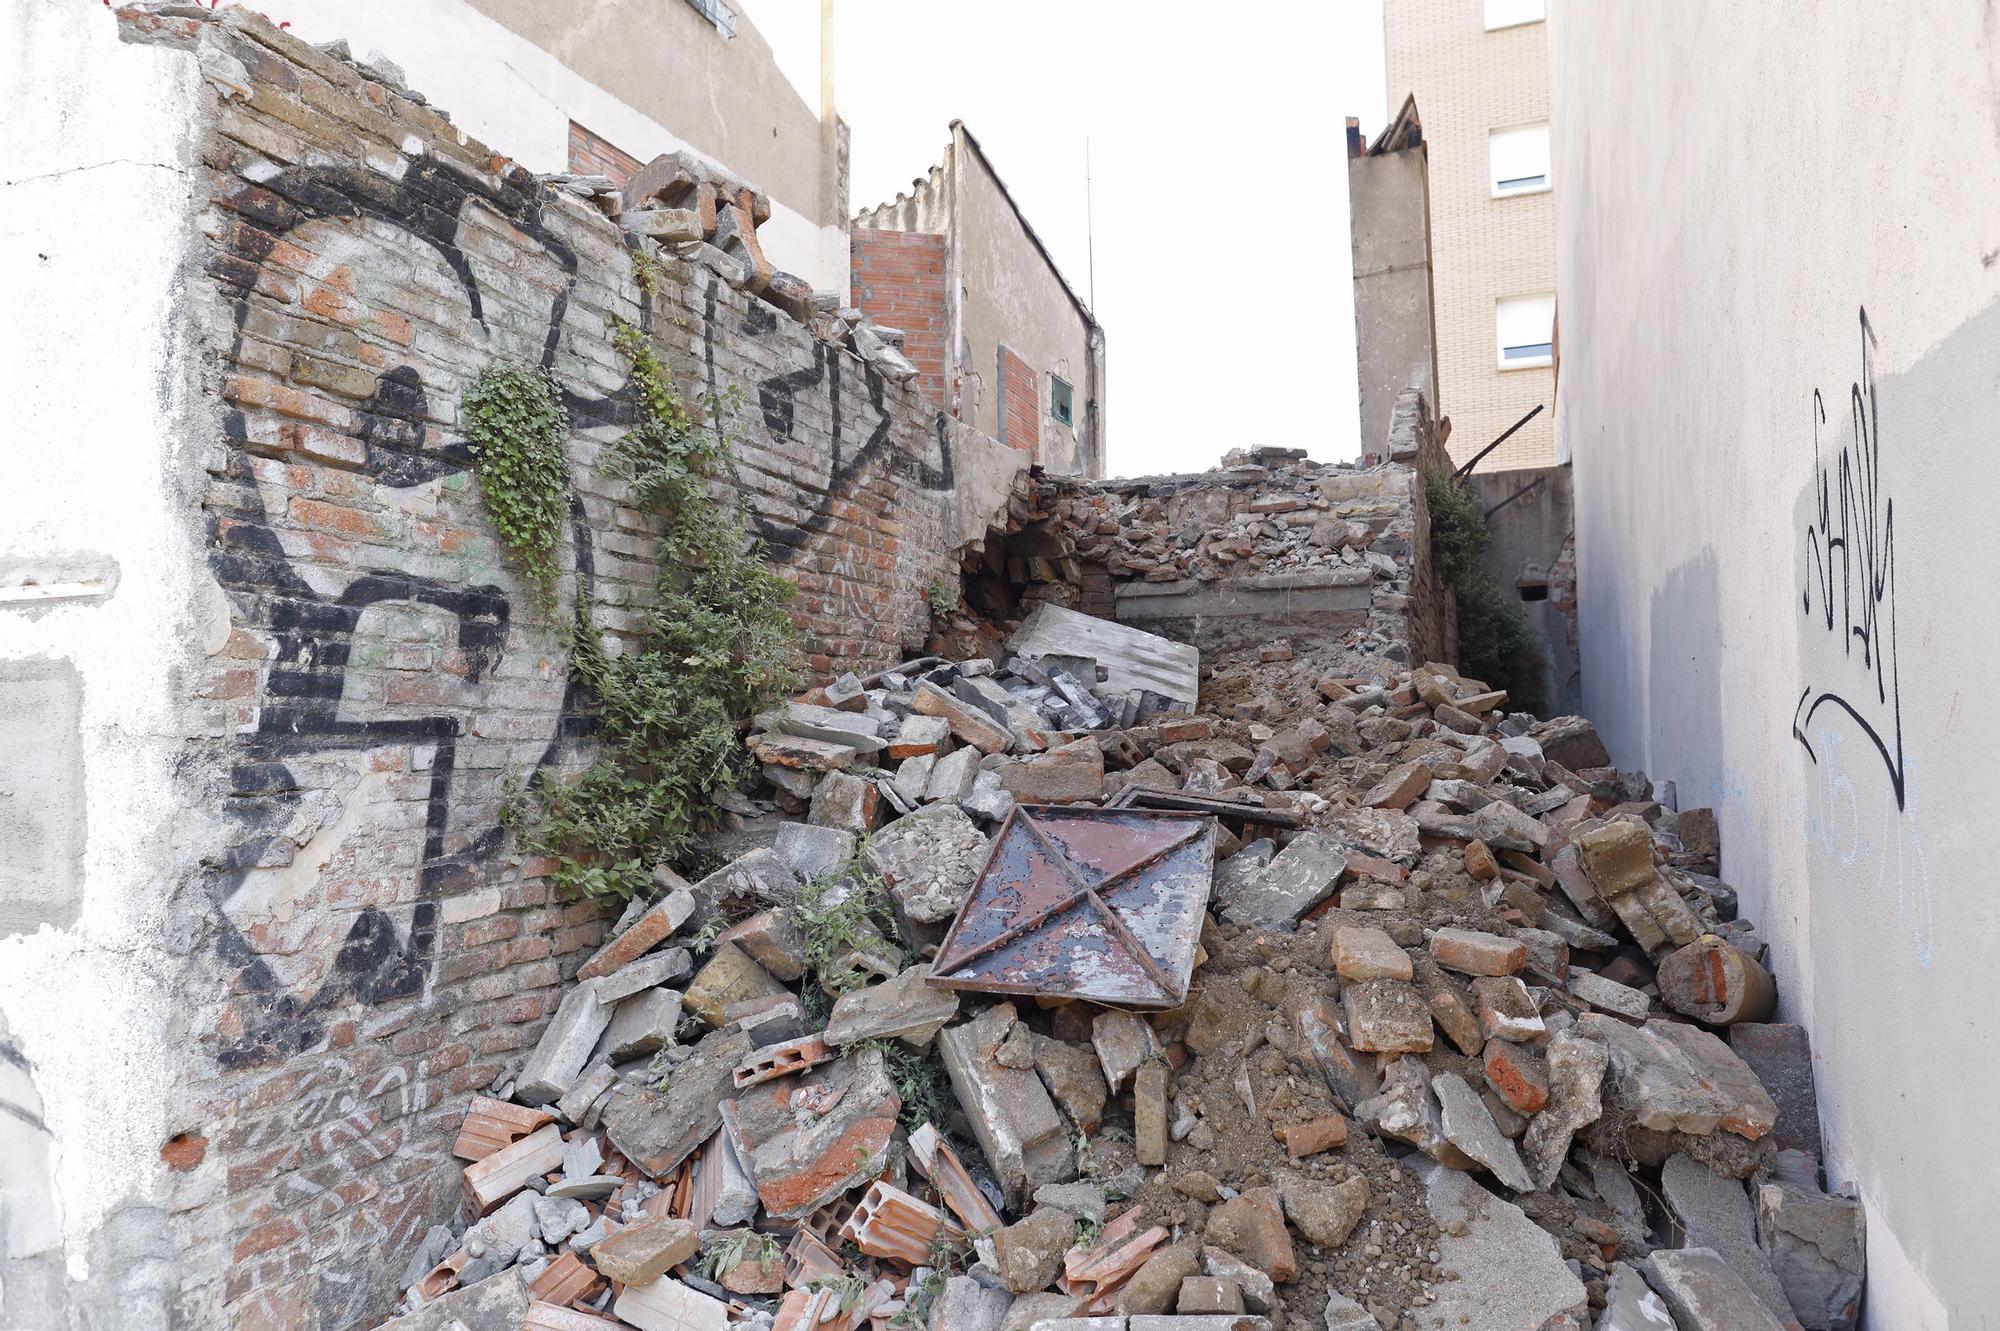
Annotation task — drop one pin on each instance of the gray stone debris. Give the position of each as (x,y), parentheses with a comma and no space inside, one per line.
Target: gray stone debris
(565,1046)
(1301,876)
(1715,1213)
(1344,1314)
(497,1303)
(1024,1137)
(640,1025)
(1123,1041)
(813,852)
(1509,1272)
(904,1008)
(1818,1245)
(1675,1078)
(658,1129)
(1704,1294)
(1466,1124)
(1576,1067)
(928,861)
(1631,1305)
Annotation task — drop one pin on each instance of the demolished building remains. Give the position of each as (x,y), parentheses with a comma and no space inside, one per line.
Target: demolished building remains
(1054,972)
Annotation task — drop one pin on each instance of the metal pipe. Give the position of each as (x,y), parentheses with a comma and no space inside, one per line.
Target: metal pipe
(1461,472)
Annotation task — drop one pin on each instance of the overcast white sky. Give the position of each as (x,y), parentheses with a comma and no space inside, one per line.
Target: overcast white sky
(1219,180)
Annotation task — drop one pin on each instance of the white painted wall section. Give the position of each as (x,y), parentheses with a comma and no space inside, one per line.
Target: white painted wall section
(518,99)
(1785,537)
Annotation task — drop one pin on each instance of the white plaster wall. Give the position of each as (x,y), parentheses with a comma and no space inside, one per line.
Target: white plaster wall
(95,222)
(1738,182)
(518,99)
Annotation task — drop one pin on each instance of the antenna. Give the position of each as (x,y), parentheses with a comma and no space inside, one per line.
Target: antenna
(1089,225)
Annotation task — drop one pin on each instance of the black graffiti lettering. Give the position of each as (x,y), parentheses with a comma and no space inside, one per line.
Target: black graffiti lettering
(1850,566)
(313,633)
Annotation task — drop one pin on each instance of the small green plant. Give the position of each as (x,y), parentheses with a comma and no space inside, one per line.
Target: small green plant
(842,910)
(744,1245)
(515,426)
(1088,1232)
(646,271)
(849,1289)
(658,1072)
(1495,643)
(921,1083)
(941,599)
(717,645)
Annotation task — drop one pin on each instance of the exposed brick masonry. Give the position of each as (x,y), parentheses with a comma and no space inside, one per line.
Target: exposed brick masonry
(899,280)
(368,948)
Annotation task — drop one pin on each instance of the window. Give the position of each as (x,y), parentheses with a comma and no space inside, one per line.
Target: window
(1513,13)
(1518,160)
(1525,326)
(1059,401)
(724,18)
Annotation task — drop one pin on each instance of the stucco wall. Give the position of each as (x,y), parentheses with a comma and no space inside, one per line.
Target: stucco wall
(105,612)
(1014,298)
(1388,209)
(648,77)
(1737,184)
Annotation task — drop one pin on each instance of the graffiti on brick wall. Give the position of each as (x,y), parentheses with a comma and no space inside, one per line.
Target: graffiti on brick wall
(1848,582)
(327,605)
(845,464)
(333,604)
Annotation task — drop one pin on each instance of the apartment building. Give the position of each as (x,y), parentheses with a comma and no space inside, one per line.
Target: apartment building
(1479,70)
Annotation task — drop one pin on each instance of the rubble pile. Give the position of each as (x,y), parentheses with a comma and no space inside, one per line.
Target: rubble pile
(1041,992)
(709,217)
(1295,514)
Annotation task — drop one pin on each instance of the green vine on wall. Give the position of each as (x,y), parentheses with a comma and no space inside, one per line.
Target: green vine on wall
(718,644)
(514,428)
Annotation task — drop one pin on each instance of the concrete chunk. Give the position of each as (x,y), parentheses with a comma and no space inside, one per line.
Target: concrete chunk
(1301,876)
(904,1008)
(1467,1125)
(668,1305)
(657,1129)
(1818,1245)
(1023,1136)
(1631,1305)
(1677,1078)
(1576,1068)
(564,1048)
(928,861)
(967,722)
(640,1025)
(497,1303)
(642,1252)
(1386,1016)
(1715,1213)
(1704,1294)
(1123,1042)
(1509,1272)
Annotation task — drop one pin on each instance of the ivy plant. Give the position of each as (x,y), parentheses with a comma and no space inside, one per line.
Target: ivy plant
(515,426)
(718,644)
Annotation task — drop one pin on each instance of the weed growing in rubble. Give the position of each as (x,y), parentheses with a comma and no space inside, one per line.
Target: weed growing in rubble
(941,599)
(921,1083)
(1495,643)
(659,1072)
(844,909)
(725,1255)
(514,428)
(717,644)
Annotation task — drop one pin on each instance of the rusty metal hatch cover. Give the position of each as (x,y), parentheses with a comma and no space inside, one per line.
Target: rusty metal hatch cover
(1099,904)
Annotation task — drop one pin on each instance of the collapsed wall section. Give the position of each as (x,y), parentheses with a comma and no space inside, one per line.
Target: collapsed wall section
(364,947)
(1332,558)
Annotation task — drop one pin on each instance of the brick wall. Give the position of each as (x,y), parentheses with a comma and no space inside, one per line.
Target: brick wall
(367,948)
(593,155)
(1020,405)
(899,280)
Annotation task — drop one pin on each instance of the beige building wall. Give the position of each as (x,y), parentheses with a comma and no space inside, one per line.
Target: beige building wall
(1469,81)
(647,76)
(1004,291)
